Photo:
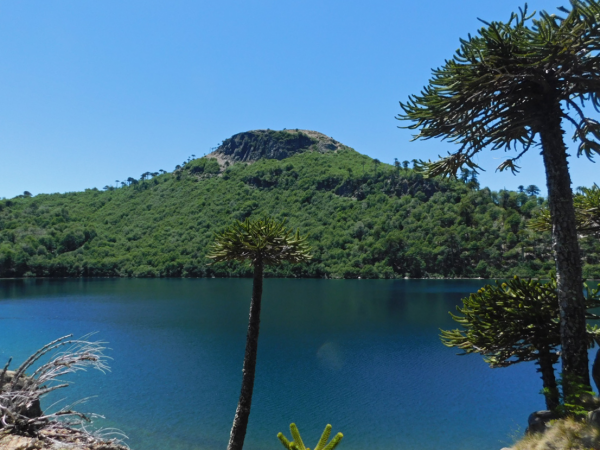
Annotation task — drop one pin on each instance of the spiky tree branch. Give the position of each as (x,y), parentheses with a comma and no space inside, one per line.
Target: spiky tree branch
(489,94)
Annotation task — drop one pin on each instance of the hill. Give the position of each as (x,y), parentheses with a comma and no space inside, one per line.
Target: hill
(365,218)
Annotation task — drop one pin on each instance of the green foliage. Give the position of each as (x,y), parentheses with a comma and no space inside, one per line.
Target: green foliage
(264,240)
(206,166)
(297,443)
(492,93)
(388,223)
(514,321)
(587,213)
(578,400)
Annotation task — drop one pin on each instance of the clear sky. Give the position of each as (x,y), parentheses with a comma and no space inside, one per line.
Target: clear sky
(97,91)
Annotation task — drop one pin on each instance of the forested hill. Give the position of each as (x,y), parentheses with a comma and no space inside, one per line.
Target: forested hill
(365,218)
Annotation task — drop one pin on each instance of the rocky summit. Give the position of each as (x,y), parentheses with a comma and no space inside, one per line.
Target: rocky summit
(253,145)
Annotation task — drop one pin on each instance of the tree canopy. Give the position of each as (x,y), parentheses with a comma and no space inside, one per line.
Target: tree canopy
(266,240)
(491,93)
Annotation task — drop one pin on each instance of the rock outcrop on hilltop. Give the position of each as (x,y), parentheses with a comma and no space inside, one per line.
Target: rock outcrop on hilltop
(253,145)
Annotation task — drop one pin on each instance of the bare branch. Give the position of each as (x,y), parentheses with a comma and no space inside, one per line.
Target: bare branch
(20,397)
(4,372)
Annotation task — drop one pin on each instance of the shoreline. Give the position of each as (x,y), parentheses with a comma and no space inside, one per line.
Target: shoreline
(273,278)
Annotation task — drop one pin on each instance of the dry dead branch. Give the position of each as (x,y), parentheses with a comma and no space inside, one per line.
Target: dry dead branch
(21,391)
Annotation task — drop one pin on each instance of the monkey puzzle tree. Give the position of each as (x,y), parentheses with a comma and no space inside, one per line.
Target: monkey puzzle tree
(505,87)
(260,242)
(514,322)
(532,190)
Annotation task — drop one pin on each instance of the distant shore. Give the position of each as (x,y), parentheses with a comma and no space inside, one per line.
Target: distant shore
(279,278)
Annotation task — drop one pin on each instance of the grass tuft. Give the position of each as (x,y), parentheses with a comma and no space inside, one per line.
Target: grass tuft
(564,434)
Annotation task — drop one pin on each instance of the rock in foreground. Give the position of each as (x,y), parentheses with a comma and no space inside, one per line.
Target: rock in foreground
(57,437)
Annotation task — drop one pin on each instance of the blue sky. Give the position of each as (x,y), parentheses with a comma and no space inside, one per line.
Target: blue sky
(97,91)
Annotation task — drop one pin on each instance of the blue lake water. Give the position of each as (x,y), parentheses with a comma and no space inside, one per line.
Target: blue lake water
(363,355)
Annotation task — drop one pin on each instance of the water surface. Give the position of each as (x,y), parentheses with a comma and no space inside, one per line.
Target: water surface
(363,355)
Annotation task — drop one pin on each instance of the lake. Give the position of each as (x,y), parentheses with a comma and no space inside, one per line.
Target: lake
(363,355)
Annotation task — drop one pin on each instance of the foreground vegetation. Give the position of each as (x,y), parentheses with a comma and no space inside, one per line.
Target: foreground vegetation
(364,218)
(23,424)
(566,433)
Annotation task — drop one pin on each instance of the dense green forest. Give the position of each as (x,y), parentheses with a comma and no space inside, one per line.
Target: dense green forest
(364,219)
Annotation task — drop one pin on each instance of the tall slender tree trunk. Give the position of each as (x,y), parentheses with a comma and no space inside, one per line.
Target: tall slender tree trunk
(566,248)
(548,379)
(242,413)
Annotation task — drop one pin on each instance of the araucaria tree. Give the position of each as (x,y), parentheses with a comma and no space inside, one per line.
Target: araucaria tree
(261,242)
(511,87)
(517,321)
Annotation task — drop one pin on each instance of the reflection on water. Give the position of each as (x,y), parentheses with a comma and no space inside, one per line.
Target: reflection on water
(331,356)
(362,355)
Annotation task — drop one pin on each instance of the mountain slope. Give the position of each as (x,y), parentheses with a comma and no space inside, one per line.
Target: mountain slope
(364,218)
